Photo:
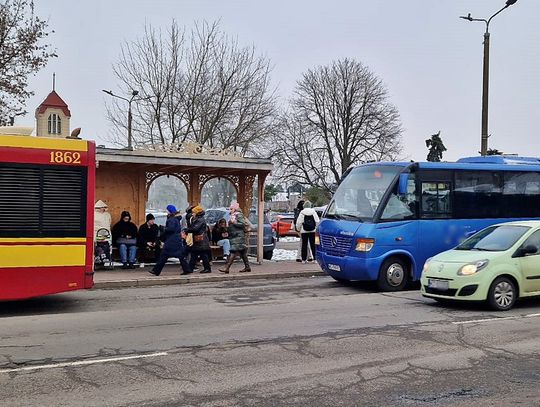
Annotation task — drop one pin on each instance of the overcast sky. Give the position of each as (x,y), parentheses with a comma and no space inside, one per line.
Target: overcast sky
(430,60)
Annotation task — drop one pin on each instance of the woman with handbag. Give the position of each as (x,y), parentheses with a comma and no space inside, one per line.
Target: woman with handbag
(124,234)
(201,244)
(238,225)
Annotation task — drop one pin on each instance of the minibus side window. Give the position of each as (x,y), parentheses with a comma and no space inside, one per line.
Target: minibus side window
(436,200)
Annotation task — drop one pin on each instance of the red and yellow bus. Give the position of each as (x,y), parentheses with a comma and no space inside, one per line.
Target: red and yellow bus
(46,215)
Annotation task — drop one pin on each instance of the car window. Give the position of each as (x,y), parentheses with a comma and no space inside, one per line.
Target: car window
(533,240)
(214,215)
(494,238)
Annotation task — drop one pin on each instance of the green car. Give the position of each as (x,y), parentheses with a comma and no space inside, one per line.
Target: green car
(499,264)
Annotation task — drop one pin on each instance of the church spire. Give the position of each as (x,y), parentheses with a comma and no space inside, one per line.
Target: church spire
(53,81)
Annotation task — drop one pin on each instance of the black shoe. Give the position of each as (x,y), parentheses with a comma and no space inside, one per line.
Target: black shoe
(206,271)
(152,272)
(299,260)
(131,266)
(125,266)
(185,273)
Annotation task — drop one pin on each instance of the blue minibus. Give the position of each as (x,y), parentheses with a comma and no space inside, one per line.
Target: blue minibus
(387,218)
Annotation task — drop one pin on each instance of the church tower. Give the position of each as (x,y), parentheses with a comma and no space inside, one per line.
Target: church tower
(52,117)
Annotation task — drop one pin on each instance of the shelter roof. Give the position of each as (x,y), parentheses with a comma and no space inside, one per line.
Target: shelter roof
(203,163)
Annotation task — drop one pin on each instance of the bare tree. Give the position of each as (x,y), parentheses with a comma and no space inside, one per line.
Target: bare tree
(23,52)
(203,87)
(339,116)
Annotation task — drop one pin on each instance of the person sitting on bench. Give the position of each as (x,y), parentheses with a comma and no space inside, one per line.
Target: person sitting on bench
(220,237)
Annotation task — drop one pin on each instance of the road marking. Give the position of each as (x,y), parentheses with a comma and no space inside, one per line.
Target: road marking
(82,362)
(474,321)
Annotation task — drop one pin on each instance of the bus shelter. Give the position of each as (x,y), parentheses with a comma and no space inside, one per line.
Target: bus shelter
(123,177)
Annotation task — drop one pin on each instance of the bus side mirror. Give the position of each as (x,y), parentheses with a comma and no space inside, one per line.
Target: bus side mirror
(403,181)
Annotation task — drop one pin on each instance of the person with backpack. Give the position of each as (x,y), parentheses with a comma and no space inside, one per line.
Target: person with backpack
(297,211)
(306,224)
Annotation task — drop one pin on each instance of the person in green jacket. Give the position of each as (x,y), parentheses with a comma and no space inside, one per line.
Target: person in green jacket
(237,238)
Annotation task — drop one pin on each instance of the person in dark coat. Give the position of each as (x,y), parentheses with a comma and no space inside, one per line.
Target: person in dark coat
(201,243)
(124,234)
(220,237)
(237,239)
(149,238)
(173,244)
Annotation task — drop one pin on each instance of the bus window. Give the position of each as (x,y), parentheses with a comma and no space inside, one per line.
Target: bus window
(436,200)
(521,194)
(361,192)
(478,194)
(401,207)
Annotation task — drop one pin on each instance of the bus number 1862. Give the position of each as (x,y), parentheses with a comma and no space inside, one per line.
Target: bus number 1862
(65,157)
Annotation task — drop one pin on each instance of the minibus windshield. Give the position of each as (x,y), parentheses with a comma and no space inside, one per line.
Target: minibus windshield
(361,192)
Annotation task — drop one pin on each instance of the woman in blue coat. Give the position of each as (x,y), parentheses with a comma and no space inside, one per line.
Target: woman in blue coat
(173,244)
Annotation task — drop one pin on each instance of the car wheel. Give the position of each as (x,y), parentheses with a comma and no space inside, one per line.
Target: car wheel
(393,275)
(502,294)
(268,255)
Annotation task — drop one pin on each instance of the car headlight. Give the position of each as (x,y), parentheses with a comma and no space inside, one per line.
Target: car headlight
(472,268)
(364,245)
(426,265)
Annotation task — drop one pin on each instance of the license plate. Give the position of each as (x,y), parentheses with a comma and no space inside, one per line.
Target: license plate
(438,284)
(334,267)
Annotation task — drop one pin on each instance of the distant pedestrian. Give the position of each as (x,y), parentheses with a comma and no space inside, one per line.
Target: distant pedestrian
(173,244)
(201,244)
(124,234)
(237,237)
(307,224)
(297,210)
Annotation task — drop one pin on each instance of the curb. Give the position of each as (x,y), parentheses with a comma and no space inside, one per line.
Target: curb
(153,281)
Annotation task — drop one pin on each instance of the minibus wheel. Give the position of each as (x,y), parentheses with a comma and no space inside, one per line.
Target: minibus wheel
(393,274)
(502,294)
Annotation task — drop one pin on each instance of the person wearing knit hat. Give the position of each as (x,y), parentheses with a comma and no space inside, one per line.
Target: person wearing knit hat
(148,239)
(102,218)
(237,239)
(201,243)
(124,234)
(173,244)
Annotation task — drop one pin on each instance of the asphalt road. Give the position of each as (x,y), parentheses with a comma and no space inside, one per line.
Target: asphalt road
(296,342)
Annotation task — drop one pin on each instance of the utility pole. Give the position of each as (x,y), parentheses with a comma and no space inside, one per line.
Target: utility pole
(485,76)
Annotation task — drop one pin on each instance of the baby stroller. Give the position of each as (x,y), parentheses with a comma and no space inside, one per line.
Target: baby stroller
(103,249)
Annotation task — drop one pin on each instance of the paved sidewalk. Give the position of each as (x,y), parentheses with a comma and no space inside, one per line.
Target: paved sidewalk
(140,277)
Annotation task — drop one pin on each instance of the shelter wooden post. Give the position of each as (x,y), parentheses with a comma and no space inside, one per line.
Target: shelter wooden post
(194,193)
(260,215)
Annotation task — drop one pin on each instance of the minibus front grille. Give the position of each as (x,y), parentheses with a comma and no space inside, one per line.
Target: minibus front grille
(336,245)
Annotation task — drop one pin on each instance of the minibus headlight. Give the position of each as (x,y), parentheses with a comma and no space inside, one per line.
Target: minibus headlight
(364,245)
(426,264)
(317,239)
(472,268)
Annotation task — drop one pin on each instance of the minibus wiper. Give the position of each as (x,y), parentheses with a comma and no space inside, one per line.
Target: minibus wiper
(349,216)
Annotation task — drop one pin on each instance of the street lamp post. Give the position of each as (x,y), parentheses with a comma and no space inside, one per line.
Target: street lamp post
(485,76)
(134,94)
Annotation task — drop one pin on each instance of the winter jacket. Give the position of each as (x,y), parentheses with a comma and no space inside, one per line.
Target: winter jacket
(300,221)
(171,235)
(124,230)
(102,220)
(219,233)
(148,234)
(198,228)
(237,235)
